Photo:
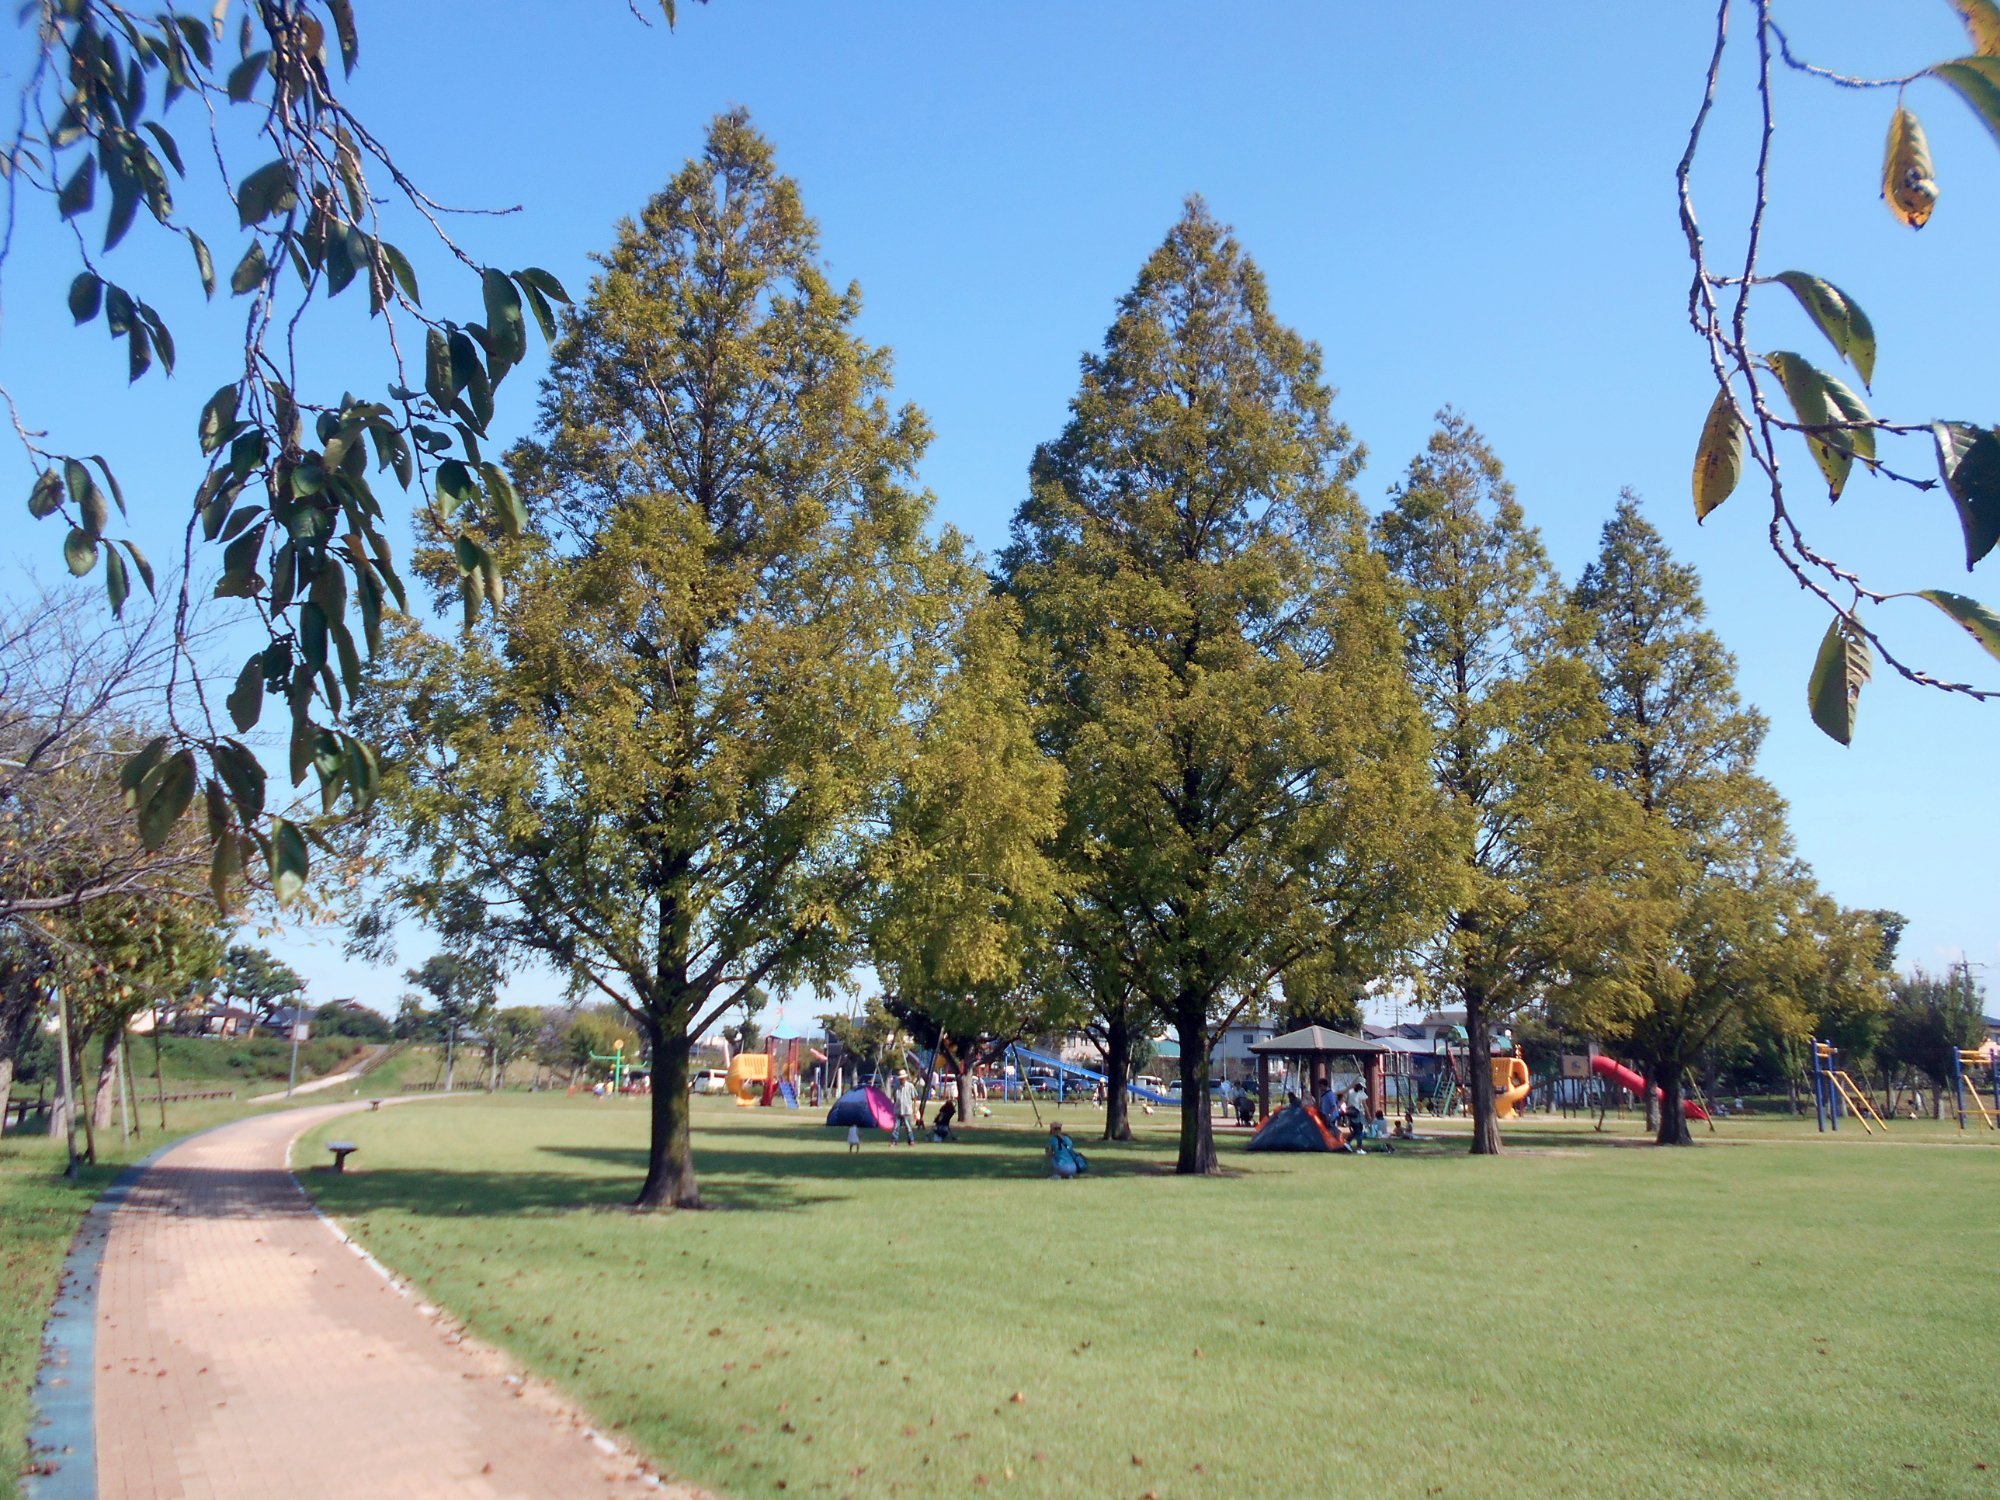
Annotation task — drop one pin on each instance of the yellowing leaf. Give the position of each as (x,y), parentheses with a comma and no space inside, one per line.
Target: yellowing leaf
(1976,80)
(1718,459)
(1981,623)
(1837,316)
(1821,402)
(1907,181)
(1982,24)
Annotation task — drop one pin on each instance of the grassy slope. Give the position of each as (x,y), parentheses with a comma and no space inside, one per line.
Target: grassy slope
(1789,1316)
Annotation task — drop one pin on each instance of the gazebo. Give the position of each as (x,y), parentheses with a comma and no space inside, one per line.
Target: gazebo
(1317,1047)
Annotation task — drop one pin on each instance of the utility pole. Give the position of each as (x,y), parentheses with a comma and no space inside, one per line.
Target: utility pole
(293,1082)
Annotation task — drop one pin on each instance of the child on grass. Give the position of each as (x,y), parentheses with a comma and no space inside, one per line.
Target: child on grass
(854,1138)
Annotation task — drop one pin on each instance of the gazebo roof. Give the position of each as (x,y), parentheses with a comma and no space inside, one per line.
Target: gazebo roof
(1309,1039)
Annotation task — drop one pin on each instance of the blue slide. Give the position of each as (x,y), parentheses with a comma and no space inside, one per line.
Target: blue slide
(1056,1063)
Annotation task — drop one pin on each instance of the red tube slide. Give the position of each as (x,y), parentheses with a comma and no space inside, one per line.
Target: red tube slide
(1632,1083)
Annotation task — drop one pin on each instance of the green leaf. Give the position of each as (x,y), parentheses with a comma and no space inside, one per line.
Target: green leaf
(85,495)
(1718,458)
(1840,672)
(117,587)
(543,282)
(265,192)
(1908,181)
(289,864)
(243,77)
(139,562)
(243,774)
(454,485)
(138,348)
(1969,463)
(124,206)
(1837,316)
(343,28)
(202,263)
(119,311)
(80,191)
(250,271)
(545,318)
(667,7)
(504,326)
(218,419)
(164,797)
(132,775)
(79,551)
(225,869)
(1976,80)
(1820,401)
(169,148)
(163,339)
(437,369)
(246,700)
(86,295)
(401,269)
(507,506)
(1981,623)
(45,499)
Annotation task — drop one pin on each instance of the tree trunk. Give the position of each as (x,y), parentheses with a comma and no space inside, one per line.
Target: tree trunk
(1118,1068)
(492,1070)
(1479,1074)
(1673,1128)
(1647,1083)
(1197,1157)
(6,1086)
(670,1157)
(108,1083)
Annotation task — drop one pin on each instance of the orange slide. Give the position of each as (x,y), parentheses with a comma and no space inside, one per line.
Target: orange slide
(1510,1086)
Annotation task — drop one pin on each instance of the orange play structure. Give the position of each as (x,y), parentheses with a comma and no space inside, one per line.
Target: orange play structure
(1510,1086)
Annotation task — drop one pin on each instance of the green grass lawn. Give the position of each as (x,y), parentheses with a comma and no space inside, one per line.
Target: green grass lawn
(1780,1314)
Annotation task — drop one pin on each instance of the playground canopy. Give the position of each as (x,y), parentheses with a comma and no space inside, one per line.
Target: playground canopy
(864,1106)
(1316,1047)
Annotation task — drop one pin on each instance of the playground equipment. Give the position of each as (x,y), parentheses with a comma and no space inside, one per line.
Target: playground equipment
(1833,1090)
(1634,1085)
(1511,1082)
(1065,1070)
(1964,1063)
(620,1069)
(748,1073)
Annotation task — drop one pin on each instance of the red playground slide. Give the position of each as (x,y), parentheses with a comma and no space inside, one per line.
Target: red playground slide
(1632,1083)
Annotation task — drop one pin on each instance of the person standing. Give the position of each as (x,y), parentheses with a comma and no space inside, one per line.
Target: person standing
(906,1109)
(1357,1111)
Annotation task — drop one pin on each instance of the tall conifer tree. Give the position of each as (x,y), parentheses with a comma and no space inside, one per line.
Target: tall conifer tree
(1746,928)
(669,774)
(1538,897)
(1245,762)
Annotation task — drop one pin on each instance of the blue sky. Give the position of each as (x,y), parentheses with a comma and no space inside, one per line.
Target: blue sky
(1463,204)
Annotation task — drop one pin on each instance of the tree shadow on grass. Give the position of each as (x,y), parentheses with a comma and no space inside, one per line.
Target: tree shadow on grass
(445,1194)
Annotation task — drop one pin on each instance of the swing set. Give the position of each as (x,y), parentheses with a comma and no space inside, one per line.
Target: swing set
(1966,1062)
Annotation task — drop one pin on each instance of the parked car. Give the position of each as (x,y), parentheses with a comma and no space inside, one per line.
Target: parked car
(711,1081)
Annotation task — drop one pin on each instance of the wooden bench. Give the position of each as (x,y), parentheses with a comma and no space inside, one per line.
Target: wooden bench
(341,1151)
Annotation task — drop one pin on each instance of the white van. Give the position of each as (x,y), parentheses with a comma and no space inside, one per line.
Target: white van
(711,1081)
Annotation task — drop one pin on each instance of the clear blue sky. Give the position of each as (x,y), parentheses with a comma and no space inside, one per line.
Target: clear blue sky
(1464,204)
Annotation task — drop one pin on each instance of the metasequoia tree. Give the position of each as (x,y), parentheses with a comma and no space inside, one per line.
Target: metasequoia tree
(1541,856)
(967,888)
(1739,930)
(668,773)
(1219,674)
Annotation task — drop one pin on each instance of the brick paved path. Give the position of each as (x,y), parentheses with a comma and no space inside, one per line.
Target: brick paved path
(243,1350)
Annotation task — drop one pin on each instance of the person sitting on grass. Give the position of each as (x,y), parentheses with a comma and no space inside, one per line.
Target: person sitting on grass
(1065,1161)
